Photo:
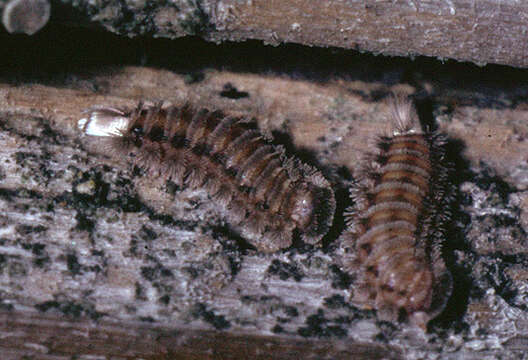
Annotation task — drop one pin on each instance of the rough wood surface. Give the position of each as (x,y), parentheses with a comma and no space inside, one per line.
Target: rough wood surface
(87,242)
(484,31)
(41,336)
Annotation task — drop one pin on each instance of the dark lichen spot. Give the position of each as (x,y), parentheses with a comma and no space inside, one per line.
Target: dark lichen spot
(164,219)
(386,333)
(277,329)
(50,134)
(17,269)
(343,319)
(232,242)
(94,268)
(24,229)
(380,337)
(489,181)
(192,271)
(284,270)
(152,273)
(41,261)
(231,92)
(139,292)
(291,311)
(90,188)
(148,273)
(317,325)
(149,319)
(84,223)
(335,302)
(22,157)
(248,299)
(503,220)
(6,307)
(147,234)
(133,248)
(6,194)
(100,253)
(340,280)
(37,248)
(387,328)
(165,299)
(69,308)
(218,321)
(165,272)
(73,265)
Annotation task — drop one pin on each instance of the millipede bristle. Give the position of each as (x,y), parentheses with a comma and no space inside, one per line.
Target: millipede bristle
(266,193)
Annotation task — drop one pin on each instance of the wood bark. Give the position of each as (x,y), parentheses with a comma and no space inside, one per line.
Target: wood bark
(487,31)
(48,337)
(466,30)
(97,259)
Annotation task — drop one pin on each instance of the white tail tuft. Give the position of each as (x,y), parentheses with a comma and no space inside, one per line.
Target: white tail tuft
(404,115)
(104,122)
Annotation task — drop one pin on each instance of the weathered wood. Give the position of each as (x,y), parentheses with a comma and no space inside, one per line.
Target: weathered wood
(484,31)
(104,261)
(48,337)
(466,30)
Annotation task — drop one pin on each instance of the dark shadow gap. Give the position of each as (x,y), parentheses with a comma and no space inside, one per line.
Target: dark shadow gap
(59,52)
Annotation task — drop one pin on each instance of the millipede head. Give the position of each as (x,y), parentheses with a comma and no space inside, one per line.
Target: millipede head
(313,211)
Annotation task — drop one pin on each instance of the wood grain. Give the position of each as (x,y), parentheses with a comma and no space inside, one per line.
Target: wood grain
(47,337)
(486,31)
(98,259)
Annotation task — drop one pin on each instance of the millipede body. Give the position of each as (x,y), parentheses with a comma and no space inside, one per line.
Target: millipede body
(268,195)
(397,224)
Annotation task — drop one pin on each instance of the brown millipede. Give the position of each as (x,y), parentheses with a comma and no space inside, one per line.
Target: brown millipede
(396,225)
(268,194)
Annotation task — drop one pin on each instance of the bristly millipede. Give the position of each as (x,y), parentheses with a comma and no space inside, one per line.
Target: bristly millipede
(268,194)
(397,224)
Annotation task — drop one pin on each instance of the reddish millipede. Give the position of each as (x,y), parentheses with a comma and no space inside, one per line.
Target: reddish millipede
(396,225)
(268,194)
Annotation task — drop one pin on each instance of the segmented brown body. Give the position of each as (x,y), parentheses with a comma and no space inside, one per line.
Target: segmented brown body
(397,225)
(268,194)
